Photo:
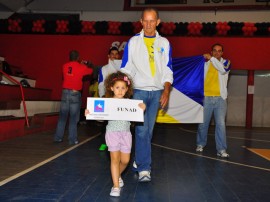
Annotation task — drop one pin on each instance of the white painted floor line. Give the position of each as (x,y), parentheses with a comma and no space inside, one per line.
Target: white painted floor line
(46,161)
(216,159)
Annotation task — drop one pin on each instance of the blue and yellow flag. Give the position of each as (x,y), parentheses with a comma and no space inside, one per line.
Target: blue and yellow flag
(186,98)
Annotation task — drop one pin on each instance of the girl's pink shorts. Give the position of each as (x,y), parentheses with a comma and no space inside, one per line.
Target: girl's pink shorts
(119,141)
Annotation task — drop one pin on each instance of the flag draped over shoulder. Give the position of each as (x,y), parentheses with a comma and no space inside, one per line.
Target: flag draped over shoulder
(186,98)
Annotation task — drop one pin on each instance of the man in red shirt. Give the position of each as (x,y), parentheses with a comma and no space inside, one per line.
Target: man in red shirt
(73,72)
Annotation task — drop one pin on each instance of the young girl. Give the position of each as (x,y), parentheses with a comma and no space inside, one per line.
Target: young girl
(118,136)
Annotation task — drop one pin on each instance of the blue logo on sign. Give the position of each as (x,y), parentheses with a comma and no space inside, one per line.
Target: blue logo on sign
(99,106)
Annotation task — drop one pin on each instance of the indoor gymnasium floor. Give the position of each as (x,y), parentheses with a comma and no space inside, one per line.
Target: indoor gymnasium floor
(34,168)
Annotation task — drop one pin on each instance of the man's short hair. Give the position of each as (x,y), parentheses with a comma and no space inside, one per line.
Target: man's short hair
(217,44)
(148,10)
(74,55)
(113,48)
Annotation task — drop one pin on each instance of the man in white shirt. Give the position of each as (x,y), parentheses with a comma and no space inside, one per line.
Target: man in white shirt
(147,59)
(107,69)
(216,73)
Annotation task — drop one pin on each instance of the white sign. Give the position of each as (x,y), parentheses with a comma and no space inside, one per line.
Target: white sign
(114,109)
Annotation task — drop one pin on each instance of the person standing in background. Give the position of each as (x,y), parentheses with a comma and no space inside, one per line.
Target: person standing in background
(87,80)
(107,69)
(147,59)
(93,88)
(73,72)
(216,72)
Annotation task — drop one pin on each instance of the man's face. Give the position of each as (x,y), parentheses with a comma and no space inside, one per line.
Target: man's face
(217,52)
(149,23)
(114,55)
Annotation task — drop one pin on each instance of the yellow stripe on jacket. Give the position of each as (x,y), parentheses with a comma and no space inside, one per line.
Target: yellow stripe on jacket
(149,42)
(211,82)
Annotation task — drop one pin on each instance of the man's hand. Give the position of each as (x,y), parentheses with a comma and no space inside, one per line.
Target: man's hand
(164,99)
(207,56)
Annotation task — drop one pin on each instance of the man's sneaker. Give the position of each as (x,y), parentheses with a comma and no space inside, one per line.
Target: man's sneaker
(121,182)
(144,176)
(223,154)
(74,143)
(115,191)
(199,148)
(58,141)
(134,165)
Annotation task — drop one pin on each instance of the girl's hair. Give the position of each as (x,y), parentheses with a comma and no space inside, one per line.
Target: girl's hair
(118,76)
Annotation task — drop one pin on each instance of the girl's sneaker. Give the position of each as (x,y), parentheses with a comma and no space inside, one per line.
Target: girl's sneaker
(121,182)
(115,191)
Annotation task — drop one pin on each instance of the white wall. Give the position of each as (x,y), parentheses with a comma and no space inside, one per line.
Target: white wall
(112,10)
(237,94)
(5,15)
(261,102)
(173,16)
(181,16)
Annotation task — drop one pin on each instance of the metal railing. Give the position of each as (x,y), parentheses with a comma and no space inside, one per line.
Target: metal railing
(22,94)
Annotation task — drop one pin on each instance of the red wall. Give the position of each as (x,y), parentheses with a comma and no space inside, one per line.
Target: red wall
(42,56)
